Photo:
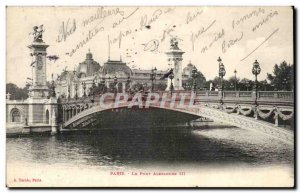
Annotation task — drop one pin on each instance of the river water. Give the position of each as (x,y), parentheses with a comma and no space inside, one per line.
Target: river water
(211,146)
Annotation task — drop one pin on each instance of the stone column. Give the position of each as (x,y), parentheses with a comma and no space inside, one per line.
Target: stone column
(39,89)
(175,63)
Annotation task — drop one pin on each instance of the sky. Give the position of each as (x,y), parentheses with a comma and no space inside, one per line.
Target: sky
(141,36)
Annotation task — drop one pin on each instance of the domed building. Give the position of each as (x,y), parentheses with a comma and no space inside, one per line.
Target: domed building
(88,67)
(116,68)
(88,73)
(114,74)
(187,71)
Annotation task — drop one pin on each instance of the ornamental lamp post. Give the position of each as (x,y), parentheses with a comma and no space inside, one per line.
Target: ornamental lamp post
(153,78)
(256,71)
(220,62)
(194,76)
(222,73)
(155,71)
(235,79)
(53,94)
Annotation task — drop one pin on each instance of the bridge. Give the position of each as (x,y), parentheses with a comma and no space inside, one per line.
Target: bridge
(243,109)
(43,111)
(260,111)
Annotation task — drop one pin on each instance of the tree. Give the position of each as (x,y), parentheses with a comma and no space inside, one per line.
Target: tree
(16,92)
(215,83)
(282,77)
(263,85)
(227,84)
(246,85)
(200,82)
(230,83)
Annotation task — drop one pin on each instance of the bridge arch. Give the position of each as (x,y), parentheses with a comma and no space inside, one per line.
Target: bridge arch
(237,120)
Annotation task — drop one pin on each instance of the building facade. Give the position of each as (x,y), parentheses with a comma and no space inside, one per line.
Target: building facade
(114,74)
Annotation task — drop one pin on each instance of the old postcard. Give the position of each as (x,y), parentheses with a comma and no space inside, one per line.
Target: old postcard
(149,96)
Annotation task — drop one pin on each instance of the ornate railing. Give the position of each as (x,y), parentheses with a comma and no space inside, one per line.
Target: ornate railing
(248,95)
(264,96)
(264,105)
(244,94)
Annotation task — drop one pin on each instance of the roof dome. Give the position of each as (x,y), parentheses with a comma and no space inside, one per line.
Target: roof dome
(118,68)
(187,71)
(88,67)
